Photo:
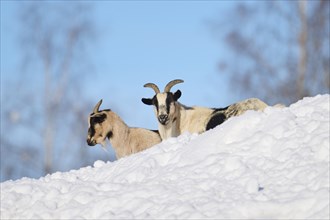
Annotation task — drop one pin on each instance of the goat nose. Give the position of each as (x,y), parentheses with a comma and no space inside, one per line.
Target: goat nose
(162,118)
(90,142)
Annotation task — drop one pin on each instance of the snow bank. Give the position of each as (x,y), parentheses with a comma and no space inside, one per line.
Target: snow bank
(269,165)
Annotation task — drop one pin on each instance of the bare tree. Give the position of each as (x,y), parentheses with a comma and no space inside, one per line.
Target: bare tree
(54,38)
(279,50)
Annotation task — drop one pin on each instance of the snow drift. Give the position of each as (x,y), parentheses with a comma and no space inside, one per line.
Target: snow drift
(268,165)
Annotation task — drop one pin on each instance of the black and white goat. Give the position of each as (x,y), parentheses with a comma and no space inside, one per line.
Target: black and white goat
(175,118)
(125,140)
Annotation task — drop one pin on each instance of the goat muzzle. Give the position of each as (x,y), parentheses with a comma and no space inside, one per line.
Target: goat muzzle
(163,119)
(91,142)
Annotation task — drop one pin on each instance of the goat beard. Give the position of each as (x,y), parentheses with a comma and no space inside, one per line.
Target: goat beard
(104,145)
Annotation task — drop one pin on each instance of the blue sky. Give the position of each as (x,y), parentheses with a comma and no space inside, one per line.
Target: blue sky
(139,42)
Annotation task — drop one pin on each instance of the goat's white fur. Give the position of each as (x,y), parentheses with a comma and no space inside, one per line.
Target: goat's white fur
(195,119)
(124,139)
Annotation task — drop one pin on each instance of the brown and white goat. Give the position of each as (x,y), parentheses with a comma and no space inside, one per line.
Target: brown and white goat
(125,140)
(175,118)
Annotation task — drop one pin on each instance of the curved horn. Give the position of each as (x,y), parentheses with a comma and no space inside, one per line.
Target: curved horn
(97,106)
(153,86)
(171,84)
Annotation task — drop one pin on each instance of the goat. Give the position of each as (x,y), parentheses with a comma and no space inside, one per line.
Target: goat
(125,140)
(175,118)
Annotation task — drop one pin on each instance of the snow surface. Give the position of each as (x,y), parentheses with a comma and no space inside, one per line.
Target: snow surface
(270,165)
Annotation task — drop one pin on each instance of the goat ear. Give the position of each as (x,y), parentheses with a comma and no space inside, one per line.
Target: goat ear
(177,95)
(147,101)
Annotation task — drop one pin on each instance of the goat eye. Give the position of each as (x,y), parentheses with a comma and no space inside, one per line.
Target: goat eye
(98,119)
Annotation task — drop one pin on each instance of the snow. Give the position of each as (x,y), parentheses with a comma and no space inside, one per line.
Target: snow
(266,165)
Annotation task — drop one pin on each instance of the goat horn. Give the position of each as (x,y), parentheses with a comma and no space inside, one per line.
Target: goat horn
(153,86)
(171,84)
(97,106)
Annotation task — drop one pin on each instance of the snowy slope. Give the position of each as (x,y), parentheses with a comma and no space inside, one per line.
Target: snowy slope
(269,165)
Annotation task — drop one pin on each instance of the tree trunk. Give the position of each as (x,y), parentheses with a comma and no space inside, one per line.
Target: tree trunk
(302,39)
(49,120)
